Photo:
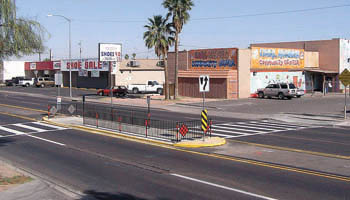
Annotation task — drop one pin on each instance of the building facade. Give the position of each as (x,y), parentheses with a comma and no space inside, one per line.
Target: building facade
(42,69)
(139,71)
(222,66)
(87,73)
(280,65)
(10,69)
(334,57)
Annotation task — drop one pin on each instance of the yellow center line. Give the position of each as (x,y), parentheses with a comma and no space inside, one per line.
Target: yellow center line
(23,108)
(18,116)
(293,150)
(231,158)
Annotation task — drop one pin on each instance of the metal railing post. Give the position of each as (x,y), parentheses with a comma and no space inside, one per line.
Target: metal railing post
(96,119)
(177,131)
(146,126)
(211,123)
(48,111)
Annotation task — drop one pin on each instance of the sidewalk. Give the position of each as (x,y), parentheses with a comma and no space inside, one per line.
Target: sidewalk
(29,187)
(301,159)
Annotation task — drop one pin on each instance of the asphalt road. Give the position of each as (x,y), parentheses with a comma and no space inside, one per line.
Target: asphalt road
(323,140)
(274,133)
(111,168)
(39,98)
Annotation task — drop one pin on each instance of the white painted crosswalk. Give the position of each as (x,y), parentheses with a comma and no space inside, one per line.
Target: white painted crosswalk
(10,130)
(250,128)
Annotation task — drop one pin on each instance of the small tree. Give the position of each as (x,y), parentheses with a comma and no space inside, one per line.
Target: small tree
(134,56)
(159,36)
(18,36)
(126,57)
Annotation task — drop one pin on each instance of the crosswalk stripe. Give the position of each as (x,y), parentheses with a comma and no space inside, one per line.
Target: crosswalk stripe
(253,127)
(277,124)
(289,124)
(49,125)
(225,131)
(30,127)
(239,129)
(272,127)
(11,130)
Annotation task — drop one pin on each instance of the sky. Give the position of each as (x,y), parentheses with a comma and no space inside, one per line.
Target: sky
(213,24)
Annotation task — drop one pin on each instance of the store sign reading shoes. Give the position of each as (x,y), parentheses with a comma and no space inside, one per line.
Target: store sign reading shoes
(213,59)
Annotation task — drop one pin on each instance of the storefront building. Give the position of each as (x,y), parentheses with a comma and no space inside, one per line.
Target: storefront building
(334,57)
(222,67)
(41,69)
(140,71)
(87,73)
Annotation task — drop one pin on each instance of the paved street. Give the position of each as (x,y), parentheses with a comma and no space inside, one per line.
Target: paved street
(104,166)
(110,168)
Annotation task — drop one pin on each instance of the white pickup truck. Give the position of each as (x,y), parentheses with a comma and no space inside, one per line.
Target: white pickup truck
(150,87)
(26,82)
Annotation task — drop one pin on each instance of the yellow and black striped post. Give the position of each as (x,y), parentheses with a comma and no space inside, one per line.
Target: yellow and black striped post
(204,119)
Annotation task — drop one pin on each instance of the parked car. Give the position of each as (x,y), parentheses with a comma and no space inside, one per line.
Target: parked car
(120,91)
(14,81)
(300,93)
(44,81)
(280,90)
(150,87)
(26,82)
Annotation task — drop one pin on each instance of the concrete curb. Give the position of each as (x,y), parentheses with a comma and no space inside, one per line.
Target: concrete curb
(215,141)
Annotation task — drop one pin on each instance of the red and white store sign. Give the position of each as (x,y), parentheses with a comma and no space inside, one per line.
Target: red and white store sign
(84,64)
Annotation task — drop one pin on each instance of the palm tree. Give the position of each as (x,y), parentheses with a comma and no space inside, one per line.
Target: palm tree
(18,36)
(178,10)
(159,36)
(126,57)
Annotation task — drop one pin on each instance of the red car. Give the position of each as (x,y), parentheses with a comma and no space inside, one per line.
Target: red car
(120,91)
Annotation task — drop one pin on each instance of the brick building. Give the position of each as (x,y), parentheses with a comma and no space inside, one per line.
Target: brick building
(228,69)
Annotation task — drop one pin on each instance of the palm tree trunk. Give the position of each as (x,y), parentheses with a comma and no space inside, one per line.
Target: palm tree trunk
(176,94)
(166,78)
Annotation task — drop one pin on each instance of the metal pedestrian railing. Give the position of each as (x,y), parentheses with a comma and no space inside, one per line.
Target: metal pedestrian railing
(133,122)
(54,109)
(140,124)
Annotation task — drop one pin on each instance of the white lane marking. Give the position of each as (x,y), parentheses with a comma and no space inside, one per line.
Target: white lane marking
(225,131)
(217,134)
(30,127)
(249,126)
(48,125)
(258,124)
(39,138)
(294,126)
(223,187)
(239,129)
(12,130)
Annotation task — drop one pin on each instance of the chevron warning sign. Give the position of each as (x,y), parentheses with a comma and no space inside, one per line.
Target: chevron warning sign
(204,119)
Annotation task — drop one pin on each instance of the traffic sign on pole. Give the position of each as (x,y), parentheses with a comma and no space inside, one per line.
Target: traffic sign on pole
(204,120)
(344,77)
(204,83)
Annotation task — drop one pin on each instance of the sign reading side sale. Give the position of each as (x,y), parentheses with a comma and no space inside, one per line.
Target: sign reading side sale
(110,52)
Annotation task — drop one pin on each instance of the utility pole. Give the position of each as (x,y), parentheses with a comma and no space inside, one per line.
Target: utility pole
(79,49)
(50,54)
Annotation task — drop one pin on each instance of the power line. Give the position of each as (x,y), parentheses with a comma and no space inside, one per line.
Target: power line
(223,17)
(273,13)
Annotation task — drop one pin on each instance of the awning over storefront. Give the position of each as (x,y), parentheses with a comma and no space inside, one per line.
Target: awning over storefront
(317,70)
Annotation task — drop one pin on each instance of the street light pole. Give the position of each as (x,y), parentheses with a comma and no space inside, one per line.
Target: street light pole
(70,55)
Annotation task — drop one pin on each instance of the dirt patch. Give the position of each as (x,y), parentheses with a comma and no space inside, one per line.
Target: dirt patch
(10,177)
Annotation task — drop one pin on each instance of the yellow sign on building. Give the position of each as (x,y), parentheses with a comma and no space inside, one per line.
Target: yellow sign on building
(277,58)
